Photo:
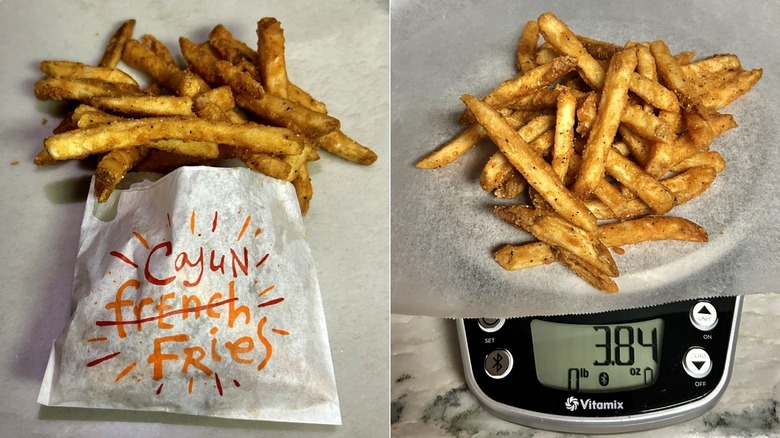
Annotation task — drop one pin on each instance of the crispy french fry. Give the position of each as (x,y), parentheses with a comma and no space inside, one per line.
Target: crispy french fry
(654,93)
(115,46)
(338,143)
(559,233)
(645,186)
(709,158)
(558,34)
(534,169)
(265,163)
(79,89)
(613,102)
(145,106)
(593,277)
(509,90)
(199,149)
(646,124)
(671,72)
(77,70)
(514,257)
(137,132)
(113,167)
(270,56)
(563,148)
(526,47)
(180,82)
(303,188)
(158,48)
(650,228)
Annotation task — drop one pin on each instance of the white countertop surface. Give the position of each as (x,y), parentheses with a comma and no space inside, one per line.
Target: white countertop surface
(430,397)
(339,52)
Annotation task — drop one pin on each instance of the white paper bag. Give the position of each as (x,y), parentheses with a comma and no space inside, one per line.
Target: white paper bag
(196,294)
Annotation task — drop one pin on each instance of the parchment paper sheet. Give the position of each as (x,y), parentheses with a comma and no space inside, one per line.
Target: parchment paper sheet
(197,294)
(443,229)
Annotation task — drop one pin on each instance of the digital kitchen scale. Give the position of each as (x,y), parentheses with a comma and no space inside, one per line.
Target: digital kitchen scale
(617,371)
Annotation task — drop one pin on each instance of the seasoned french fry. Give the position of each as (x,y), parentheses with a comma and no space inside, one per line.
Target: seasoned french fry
(509,90)
(650,228)
(526,47)
(337,143)
(179,120)
(113,167)
(158,48)
(180,82)
(80,89)
(77,70)
(558,34)
(564,134)
(270,56)
(534,169)
(303,188)
(113,51)
(645,186)
(137,132)
(671,72)
(145,106)
(560,234)
(514,257)
(613,102)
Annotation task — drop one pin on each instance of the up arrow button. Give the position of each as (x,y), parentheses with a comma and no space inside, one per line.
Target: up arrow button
(704,316)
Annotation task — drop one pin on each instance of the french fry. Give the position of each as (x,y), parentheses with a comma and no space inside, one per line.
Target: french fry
(527,255)
(526,47)
(145,106)
(77,70)
(613,102)
(534,169)
(644,185)
(654,93)
(671,72)
(563,148)
(137,132)
(303,188)
(79,89)
(337,143)
(270,56)
(650,228)
(560,234)
(158,48)
(558,34)
(116,45)
(520,85)
(113,167)
(646,124)
(595,278)
(498,169)
(180,82)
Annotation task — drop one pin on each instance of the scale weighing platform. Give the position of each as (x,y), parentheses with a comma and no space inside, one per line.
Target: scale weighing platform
(611,372)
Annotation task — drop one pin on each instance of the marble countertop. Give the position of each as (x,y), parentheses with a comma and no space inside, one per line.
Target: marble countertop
(430,397)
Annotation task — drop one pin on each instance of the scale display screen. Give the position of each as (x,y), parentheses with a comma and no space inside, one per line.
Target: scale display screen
(597,357)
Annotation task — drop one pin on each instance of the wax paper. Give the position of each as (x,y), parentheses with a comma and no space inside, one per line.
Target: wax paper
(196,293)
(443,230)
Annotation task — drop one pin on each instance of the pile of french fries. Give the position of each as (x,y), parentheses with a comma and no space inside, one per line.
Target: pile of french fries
(598,141)
(229,101)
